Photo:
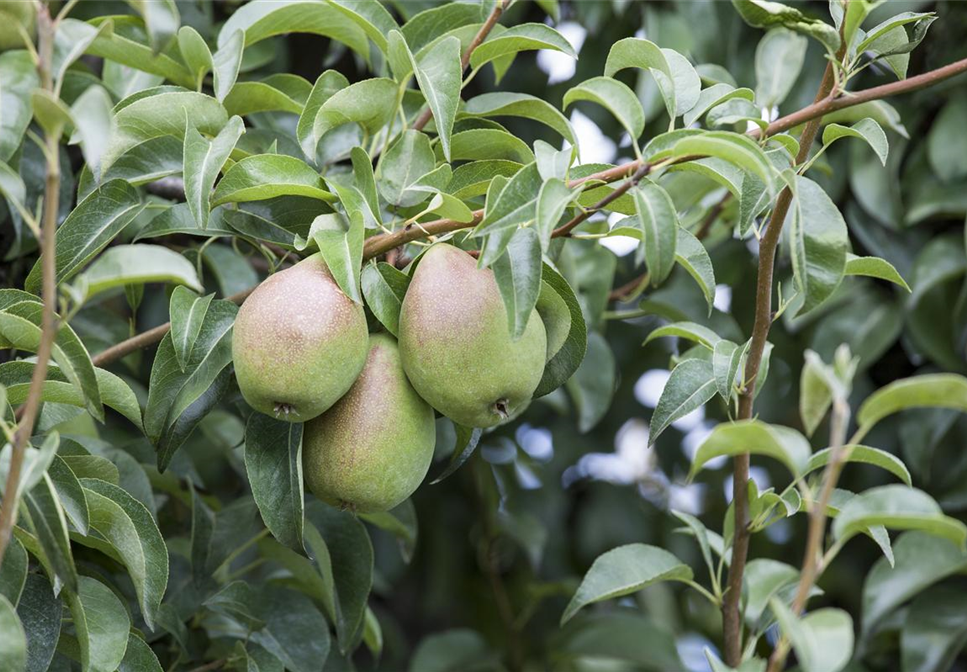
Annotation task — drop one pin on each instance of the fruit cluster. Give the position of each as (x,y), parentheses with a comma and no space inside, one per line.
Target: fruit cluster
(303,353)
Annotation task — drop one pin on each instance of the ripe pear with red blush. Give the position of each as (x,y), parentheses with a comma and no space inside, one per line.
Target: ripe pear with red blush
(298,343)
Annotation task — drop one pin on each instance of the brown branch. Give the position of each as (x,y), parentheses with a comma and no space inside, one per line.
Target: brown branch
(25,426)
(477,40)
(818,513)
(828,104)
(731,616)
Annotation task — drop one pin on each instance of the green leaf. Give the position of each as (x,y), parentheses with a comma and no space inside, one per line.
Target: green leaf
(934,631)
(249,97)
(139,657)
(690,386)
(865,129)
(518,275)
(941,390)
(40,613)
(13,571)
(863,455)
(615,97)
(593,384)
(384,288)
(500,104)
(134,265)
(691,255)
(921,560)
(677,80)
(20,325)
(515,206)
(778,62)
(371,16)
(815,392)
(195,53)
(263,19)
(440,74)
(273,463)
(328,83)
(226,62)
(402,167)
(44,516)
(713,96)
(726,357)
(400,522)
(762,581)
(766,14)
(874,267)
(102,625)
(623,571)
(162,114)
(633,52)
(819,242)
(112,46)
(457,649)
(658,219)
(897,507)
(93,120)
(178,400)
(687,330)
(71,494)
(755,437)
(522,37)
(13,640)
(822,640)
(187,313)
(370,103)
(350,560)
(129,528)
(562,365)
(88,229)
(161,18)
(295,632)
(733,148)
(342,249)
(203,162)
(19,76)
(265,176)
(552,202)
(467,439)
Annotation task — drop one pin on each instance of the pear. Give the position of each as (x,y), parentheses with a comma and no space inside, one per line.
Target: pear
(456,346)
(298,343)
(372,449)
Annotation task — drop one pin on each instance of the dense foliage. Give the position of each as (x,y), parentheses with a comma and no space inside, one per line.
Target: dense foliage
(734,249)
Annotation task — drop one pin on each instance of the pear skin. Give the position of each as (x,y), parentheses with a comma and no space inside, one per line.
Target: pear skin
(372,449)
(456,346)
(298,343)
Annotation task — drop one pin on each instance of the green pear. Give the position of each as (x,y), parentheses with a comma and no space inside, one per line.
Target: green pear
(457,349)
(13,15)
(372,449)
(298,342)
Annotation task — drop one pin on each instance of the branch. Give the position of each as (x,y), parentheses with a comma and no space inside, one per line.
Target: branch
(828,104)
(25,426)
(477,40)
(731,616)
(839,420)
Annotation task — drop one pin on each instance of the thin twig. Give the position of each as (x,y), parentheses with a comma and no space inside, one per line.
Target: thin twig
(477,40)
(8,508)
(818,513)
(731,616)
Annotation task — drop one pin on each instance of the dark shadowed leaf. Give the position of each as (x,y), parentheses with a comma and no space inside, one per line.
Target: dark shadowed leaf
(273,462)
(40,613)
